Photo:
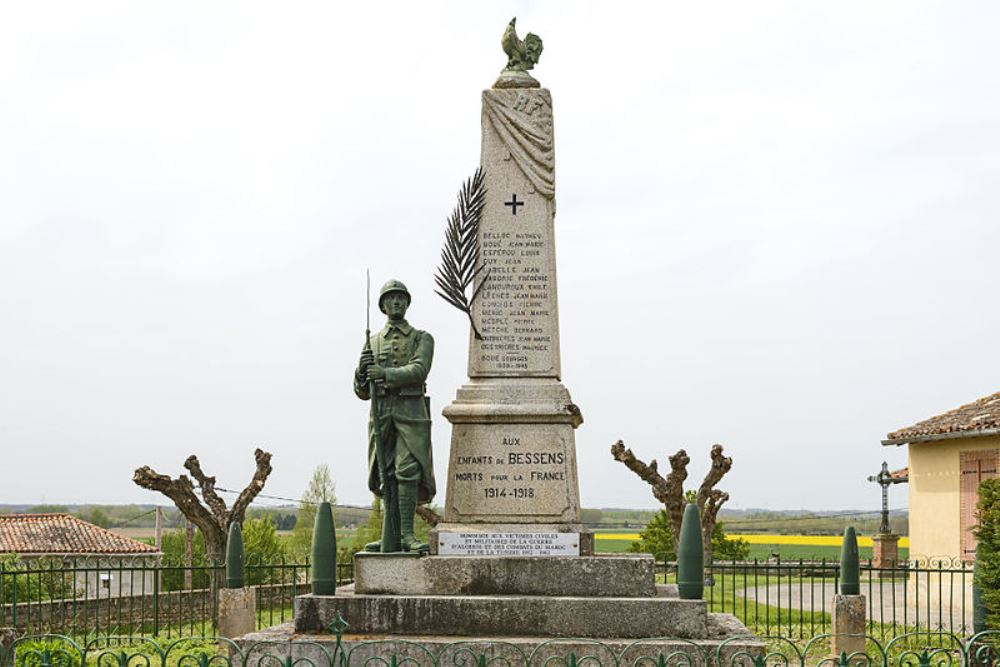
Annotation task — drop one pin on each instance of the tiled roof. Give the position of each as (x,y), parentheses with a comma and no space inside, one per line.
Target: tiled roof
(62,534)
(982,415)
(903,474)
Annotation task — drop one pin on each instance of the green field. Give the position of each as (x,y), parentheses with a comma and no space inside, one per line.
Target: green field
(807,552)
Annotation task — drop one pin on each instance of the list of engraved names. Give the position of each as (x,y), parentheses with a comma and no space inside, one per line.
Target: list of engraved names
(515,309)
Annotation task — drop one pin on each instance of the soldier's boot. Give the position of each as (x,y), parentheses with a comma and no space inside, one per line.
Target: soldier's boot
(407,508)
(375,546)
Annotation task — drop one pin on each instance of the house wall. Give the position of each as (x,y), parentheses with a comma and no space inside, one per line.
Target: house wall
(934,499)
(94,576)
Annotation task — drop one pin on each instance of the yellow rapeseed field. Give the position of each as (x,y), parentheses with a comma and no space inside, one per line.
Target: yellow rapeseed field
(756,538)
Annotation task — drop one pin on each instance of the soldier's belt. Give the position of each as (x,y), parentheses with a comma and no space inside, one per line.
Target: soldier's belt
(382,390)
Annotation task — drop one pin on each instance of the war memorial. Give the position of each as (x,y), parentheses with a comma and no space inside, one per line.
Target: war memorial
(510,569)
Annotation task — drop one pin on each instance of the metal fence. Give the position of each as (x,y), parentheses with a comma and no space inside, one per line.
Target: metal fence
(792,599)
(904,651)
(95,597)
(789,599)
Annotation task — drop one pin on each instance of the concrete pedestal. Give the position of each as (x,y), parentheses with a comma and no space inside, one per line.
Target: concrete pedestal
(848,625)
(885,551)
(594,576)
(433,650)
(433,604)
(504,615)
(237,611)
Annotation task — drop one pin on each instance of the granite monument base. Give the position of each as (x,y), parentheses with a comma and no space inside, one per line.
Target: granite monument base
(593,576)
(723,630)
(512,615)
(512,479)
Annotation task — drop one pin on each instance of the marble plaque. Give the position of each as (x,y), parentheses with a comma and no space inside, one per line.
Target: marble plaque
(509,544)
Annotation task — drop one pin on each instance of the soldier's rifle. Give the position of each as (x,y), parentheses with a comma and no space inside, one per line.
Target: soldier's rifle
(390,503)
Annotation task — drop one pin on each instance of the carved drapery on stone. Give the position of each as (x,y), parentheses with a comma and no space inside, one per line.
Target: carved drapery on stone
(523,119)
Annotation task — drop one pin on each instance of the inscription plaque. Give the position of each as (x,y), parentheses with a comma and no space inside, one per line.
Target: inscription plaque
(521,469)
(509,544)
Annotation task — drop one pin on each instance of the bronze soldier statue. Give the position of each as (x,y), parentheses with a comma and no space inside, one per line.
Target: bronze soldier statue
(391,373)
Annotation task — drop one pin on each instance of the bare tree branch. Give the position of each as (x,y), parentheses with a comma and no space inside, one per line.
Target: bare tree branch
(647,473)
(720,466)
(710,499)
(211,518)
(207,485)
(670,490)
(181,492)
(255,486)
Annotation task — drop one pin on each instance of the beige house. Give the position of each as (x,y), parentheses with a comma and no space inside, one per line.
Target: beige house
(949,455)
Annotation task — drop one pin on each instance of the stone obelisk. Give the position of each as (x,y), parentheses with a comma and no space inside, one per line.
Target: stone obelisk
(512,485)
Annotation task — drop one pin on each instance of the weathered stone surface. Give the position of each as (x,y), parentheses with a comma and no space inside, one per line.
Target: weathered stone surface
(513,448)
(513,453)
(517,308)
(847,628)
(596,576)
(510,615)
(237,611)
(433,650)
(7,637)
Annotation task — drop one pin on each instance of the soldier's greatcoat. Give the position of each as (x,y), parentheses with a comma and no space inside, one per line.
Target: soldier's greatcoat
(405,422)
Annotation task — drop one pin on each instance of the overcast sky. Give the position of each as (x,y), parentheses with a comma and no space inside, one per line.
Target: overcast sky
(777,230)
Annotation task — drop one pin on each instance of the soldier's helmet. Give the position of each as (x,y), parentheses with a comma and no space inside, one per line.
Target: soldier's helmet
(393,286)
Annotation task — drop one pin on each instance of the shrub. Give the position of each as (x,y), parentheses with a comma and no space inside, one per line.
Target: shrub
(172,546)
(36,579)
(988,553)
(658,539)
(728,548)
(261,546)
(47,651)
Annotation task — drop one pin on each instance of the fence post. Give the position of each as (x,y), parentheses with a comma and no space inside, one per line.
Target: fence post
(13,598)
(324,552)
(156,597)
(978,606)
(848,625)
(690,556)
(237,602)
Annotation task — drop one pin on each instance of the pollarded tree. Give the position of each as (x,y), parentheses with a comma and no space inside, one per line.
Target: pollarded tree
(212,517)
(669,490)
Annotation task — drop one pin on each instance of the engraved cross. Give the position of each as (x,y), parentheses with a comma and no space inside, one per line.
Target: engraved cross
(513,203)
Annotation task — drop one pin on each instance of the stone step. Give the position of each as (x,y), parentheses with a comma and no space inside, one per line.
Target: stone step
(724,631)
(504,615)
(617,576)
